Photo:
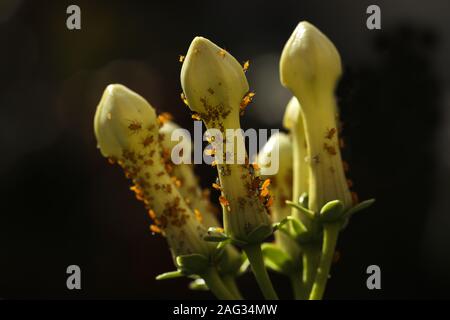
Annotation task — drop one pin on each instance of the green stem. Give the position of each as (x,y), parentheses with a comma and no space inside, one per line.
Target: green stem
(230,283)
(256,260)
(215,284)
(297,286)
(330,235)
(311,257)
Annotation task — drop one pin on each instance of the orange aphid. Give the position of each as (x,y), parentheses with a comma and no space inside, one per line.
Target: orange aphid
(222,53)
(111,160)
(176,181)
(330,133)
(181,58)
(198,215)
(155,229)
(330,149)
(128,174)
(136,189)
(164,117)
(246,100)
(140,196)
(196,116)
(135,126)
(169,167)
(264,192)
(183,98)
(216,186)
(255,166)
(246,65)
(223,201)
(152,214)
(265,184)
(147,141)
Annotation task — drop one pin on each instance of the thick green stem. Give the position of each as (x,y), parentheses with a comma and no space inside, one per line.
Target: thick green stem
(230,283)
(256,260)
(297,286)
(311,255)
(215,284)
(330,235)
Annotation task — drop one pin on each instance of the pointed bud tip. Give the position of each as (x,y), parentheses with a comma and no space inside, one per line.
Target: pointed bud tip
(120,116)
(210,77)
(309,61)
(291,114)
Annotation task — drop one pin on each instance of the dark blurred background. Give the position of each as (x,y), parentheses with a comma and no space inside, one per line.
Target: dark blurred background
(61,204)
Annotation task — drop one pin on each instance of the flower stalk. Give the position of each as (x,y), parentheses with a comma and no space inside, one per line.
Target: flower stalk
(198,200)
(310,67)
(127,131)
(214,85)
(307,198)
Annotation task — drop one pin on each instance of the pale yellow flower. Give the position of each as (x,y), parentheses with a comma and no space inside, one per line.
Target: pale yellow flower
(127,132)
(310,66)
(215,85)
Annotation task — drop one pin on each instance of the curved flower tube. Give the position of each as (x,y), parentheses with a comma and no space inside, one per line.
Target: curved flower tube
(126,128)
(310,67)
(187,183)
(215,87)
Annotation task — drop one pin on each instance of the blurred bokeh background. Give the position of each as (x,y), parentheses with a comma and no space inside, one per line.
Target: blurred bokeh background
(62,204)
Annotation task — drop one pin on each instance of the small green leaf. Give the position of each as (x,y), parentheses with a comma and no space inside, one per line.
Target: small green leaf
(276,259)
(213,238)
(360,206)
(215,235)
(308,213)
(170,275)
(198,284)
(259,234)
(300,232)
(193,263)
(297,225)
(332,211)
(303,200)
(277,225)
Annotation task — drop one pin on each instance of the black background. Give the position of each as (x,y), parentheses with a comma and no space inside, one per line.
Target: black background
(62,204)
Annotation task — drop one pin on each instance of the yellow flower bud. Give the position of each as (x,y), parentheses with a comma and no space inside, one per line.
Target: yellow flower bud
(126,129)
(281,183)
(310,67)
(293,121)
(121,119)
(310,64)
(214,85)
